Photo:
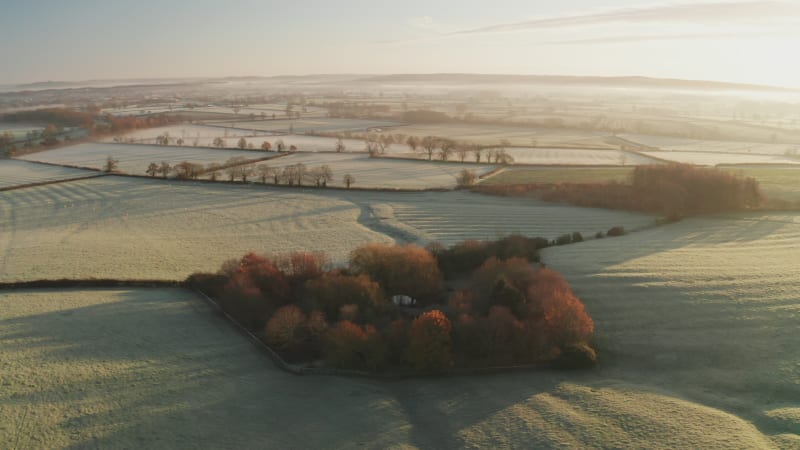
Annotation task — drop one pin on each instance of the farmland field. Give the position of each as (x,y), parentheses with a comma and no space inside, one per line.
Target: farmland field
(705,309)
(517,135)
(383,172)
(516,175)
(699,145)
(118,227)
(781,183)
(308,125)
(204,134)
(147,368)
(134,158)
(19,173)
(715,158)
(576,157)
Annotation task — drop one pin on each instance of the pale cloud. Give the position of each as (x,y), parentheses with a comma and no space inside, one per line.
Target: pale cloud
(763,13)
(669,37)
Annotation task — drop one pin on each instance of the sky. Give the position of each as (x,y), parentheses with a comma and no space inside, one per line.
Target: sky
(749,41)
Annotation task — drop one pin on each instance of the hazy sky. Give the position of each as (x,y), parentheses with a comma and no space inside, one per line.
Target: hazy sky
(744,41)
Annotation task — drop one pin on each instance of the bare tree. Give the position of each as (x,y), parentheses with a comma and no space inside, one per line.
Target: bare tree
(348,180)
(242,144)
(279,145)
(429,144)
(477,151)
(111,164)
(461,150)
(266,146)
(164,169)
(264,171)
(413,143)
(340,147)
(152,169)
(446,148)
(213,170)
(466,178)
(219,142)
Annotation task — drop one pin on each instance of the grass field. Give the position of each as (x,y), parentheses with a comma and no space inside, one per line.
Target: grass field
(577,157)
(383,172)
(19,173)
(517,135)
(309,125)
(120,227)
(705,309)
(134,159)
(715,158)
(558,175)
(139,368)
(781,183)
(698,145)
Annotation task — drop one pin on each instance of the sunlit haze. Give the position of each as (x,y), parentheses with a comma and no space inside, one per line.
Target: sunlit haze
(741,41)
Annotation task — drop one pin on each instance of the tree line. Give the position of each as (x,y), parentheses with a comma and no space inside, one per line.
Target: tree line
(239,168)
(671,190)
(395,307)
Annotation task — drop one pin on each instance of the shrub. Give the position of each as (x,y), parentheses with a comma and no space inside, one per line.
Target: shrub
(599,235)
(615,231)
(564,239)
(429,344)
(577,237)
(576,356)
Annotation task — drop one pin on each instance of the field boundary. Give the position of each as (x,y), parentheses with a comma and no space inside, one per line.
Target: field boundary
(47,183)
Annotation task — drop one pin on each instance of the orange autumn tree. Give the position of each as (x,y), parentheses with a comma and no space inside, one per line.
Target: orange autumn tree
(429,345)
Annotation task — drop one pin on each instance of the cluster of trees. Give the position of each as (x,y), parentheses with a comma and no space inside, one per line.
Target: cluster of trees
(672,190)
(442,148)
(240,168)
(506,312)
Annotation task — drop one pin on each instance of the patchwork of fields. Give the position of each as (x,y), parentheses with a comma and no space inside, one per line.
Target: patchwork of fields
(119,227)
(516,135)
(696,321)
(20,173)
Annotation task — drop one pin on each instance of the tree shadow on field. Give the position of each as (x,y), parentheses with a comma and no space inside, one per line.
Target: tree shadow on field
(158,368)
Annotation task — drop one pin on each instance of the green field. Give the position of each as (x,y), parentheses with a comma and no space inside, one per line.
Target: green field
(779,183)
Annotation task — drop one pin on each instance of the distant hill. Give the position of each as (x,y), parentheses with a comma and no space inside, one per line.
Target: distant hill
(632,81)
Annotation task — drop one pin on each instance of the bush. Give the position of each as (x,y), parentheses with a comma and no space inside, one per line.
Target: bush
(599,235)
(576,356)
(615,231)
(564,239)
(577,237)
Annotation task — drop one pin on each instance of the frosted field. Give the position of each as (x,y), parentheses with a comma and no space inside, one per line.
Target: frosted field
(712,158)
(138,368)
(382,172)
(189,133)
(307,125)
(133,158)
(697,145)
(706,310)
(118,227)
(575,157)
(517,135)
(20,173)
